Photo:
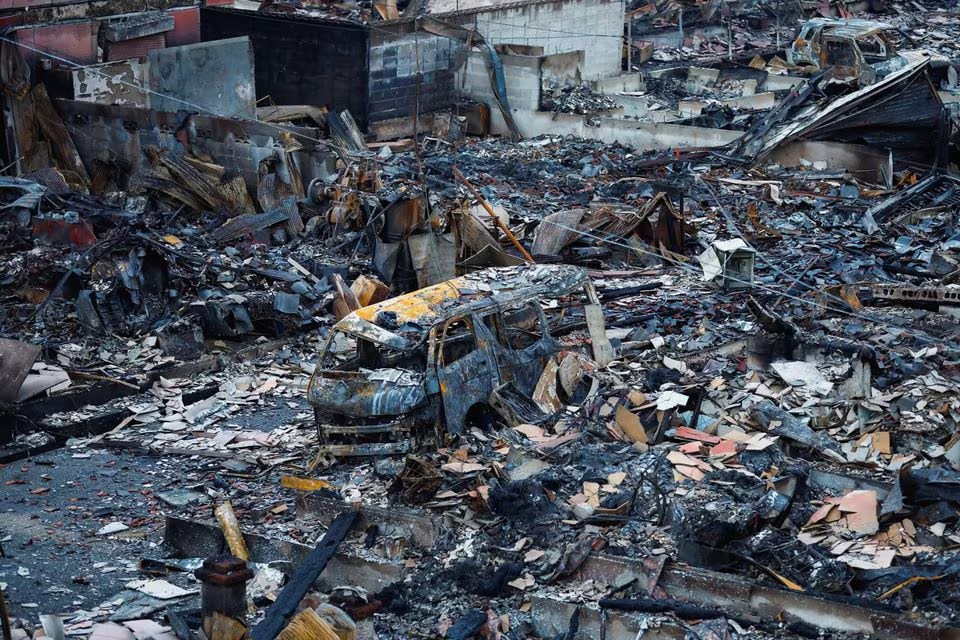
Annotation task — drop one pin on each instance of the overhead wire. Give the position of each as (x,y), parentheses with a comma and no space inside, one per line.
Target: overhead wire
(781,294)
(746,283)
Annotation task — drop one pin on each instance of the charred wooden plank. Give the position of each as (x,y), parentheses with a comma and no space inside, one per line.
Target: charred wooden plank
(301,581)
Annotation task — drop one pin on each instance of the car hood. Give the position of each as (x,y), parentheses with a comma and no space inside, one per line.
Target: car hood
(367,393)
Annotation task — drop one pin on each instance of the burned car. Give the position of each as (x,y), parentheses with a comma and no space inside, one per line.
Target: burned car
(807,47)
(426,363)
(861,50)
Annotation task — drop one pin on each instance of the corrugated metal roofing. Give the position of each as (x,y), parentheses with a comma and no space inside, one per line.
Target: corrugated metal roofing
(135,47)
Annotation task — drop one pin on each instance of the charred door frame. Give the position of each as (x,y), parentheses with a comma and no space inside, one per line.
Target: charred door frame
(513,363)
(474,384)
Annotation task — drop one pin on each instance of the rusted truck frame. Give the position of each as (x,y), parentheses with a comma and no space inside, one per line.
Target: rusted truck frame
(428,360)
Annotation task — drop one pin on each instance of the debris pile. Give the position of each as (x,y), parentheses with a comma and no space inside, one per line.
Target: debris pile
(575,99)
(483,388)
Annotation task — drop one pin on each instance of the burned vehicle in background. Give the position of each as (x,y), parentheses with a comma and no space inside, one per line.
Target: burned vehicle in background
(863,51)
(427,362)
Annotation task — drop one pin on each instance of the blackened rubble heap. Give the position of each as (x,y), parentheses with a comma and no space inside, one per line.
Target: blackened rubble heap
(786,429)
(799,433)
(575,99)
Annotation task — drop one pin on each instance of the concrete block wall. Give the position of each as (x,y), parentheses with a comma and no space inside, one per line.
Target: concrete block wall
(641,136)
(393,74)
(562,26)
(522,76)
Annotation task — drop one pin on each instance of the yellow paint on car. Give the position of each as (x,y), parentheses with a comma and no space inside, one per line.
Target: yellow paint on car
(411,307)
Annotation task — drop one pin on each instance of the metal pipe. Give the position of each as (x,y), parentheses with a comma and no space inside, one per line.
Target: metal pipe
(223,588)
(476,194)
(729,32)
(778,26)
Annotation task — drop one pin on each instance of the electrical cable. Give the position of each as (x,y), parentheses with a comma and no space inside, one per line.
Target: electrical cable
(684,265)
(697,272)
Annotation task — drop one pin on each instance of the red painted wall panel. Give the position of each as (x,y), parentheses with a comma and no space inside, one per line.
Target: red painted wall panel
(186,27)
(13,20)
(30,4)
(74,41)
(23,4)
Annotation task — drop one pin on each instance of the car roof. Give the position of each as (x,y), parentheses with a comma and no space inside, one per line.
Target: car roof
(405,321)
(852,27)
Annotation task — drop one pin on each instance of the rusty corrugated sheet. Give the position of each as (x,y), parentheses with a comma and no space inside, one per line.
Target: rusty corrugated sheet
(51,179)
(204,188)
(247,224)
(135,47)
(54,232)
(161,181)
(14,73)
(22,140)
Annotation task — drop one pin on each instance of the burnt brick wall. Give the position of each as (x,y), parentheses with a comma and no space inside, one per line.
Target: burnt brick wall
(393,73)
(300,61)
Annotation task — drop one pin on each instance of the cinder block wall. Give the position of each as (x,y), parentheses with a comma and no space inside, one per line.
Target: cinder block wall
(522,76)
(393,73)
(592,26)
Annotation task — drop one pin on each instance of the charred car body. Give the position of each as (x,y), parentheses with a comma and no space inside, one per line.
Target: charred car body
(860,50)
(425,362)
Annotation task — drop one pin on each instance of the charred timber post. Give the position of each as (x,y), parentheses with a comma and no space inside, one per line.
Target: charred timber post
(5,619)
(304,577)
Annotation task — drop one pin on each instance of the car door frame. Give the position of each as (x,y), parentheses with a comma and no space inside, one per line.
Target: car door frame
(470,379)
(522,367)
